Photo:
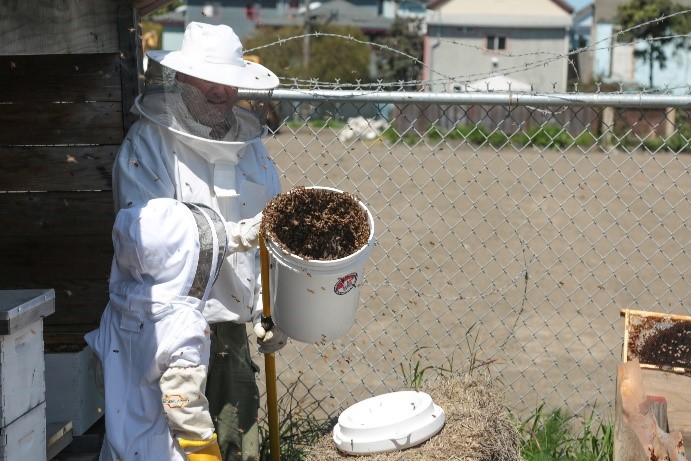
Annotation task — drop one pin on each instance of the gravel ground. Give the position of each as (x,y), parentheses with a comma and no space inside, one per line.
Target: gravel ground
(517,261)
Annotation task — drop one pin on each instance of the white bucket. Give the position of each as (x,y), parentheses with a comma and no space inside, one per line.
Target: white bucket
(316,300)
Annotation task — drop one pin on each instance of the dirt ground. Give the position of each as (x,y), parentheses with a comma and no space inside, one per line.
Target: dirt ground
(515,261)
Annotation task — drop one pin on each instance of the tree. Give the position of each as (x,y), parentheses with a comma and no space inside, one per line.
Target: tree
(400,57)
(656,22)
(334,57)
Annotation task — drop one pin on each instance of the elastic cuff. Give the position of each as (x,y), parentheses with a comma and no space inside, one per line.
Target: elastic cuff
(209,453)
(191,446)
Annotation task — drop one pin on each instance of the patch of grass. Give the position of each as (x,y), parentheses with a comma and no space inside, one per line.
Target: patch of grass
(410,137)
(585,139)
(434,133)
(498,139)
(549,136)
(519,139)
(594,445)
(298,427)
(391,135)
(296,124)
(679,143)
(554,435)
(414,372)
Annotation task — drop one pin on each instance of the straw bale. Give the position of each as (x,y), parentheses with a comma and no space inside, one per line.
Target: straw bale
(477,427)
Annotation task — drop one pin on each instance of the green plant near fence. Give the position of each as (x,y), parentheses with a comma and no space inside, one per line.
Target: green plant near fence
(298,427)
(554,435)
(544,136)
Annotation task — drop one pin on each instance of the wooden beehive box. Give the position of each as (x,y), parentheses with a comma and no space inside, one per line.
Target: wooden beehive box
(662,345)
(25,437)
(22,369)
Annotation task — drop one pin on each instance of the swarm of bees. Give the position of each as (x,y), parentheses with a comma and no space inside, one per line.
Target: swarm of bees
(317,224)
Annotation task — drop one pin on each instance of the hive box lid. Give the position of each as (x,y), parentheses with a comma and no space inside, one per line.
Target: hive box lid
(19,308)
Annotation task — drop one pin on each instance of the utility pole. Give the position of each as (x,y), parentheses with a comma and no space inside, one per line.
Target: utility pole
(306,30)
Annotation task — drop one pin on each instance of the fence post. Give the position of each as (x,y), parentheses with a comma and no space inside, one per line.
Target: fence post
(668,125)
(607,125)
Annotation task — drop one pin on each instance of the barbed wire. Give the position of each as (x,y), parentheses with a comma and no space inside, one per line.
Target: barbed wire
(544,58)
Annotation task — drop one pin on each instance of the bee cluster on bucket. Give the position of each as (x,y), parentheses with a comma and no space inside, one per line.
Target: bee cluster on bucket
(319,224)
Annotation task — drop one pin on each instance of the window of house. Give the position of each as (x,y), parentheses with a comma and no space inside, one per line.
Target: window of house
(211,10)
(496,42)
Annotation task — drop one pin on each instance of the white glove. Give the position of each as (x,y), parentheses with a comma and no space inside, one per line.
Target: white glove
(269,337)
(244,235)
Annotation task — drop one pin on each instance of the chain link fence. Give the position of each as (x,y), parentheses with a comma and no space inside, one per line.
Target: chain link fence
(511,230)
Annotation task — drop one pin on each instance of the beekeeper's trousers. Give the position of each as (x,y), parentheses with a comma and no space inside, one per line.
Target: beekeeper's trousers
(232,392)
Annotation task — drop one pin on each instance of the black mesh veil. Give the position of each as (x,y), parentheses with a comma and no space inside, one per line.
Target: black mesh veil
(213,244)
(200,109)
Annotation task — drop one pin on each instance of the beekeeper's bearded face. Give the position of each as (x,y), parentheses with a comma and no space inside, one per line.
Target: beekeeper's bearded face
(209,103)
(196,90)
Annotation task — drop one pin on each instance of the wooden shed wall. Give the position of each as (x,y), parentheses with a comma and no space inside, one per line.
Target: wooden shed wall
(68,74)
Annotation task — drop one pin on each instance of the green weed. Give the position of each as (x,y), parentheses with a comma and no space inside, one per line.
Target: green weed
(556,436)
(298,427)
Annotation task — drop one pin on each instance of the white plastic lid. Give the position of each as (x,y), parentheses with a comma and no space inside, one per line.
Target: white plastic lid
(388,422)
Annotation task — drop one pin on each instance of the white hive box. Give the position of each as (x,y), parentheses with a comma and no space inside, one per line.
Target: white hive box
(71,390)
(22,368)
(25,438)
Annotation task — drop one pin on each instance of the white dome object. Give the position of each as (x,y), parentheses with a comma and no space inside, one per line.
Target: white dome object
(388,422)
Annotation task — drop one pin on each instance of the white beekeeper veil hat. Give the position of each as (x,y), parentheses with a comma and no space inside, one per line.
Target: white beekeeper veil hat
(214,53)
(206,90)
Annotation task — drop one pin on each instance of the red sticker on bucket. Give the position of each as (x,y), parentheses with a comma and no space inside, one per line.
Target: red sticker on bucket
(345,284)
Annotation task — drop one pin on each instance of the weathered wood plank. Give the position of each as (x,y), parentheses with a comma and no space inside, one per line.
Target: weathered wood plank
(78,271)
(78,303)
(60,241)
(60,78)
(59,124)
(56,168)
(629,426)
(64,339)
(674,388)
(50,27)
(39,216)
(74,256)
(78,307)
(131,69)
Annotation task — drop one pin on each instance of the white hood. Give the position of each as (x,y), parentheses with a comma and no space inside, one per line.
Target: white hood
(167,253)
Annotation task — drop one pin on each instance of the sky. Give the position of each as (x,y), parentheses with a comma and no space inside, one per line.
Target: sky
(578,4)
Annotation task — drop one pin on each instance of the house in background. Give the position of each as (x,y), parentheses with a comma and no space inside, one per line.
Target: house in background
(614,61)
(468,40)
(368,18)
(245,16)
(580,40)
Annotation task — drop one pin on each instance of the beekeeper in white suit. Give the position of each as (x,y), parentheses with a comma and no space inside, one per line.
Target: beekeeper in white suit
(153,340)
(197,141)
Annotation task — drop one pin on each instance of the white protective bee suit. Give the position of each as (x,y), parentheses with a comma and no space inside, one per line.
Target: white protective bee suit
(153,340)
(236,179)
(174,152)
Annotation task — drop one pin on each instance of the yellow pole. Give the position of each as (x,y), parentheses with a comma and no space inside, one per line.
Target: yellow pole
(269,360)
